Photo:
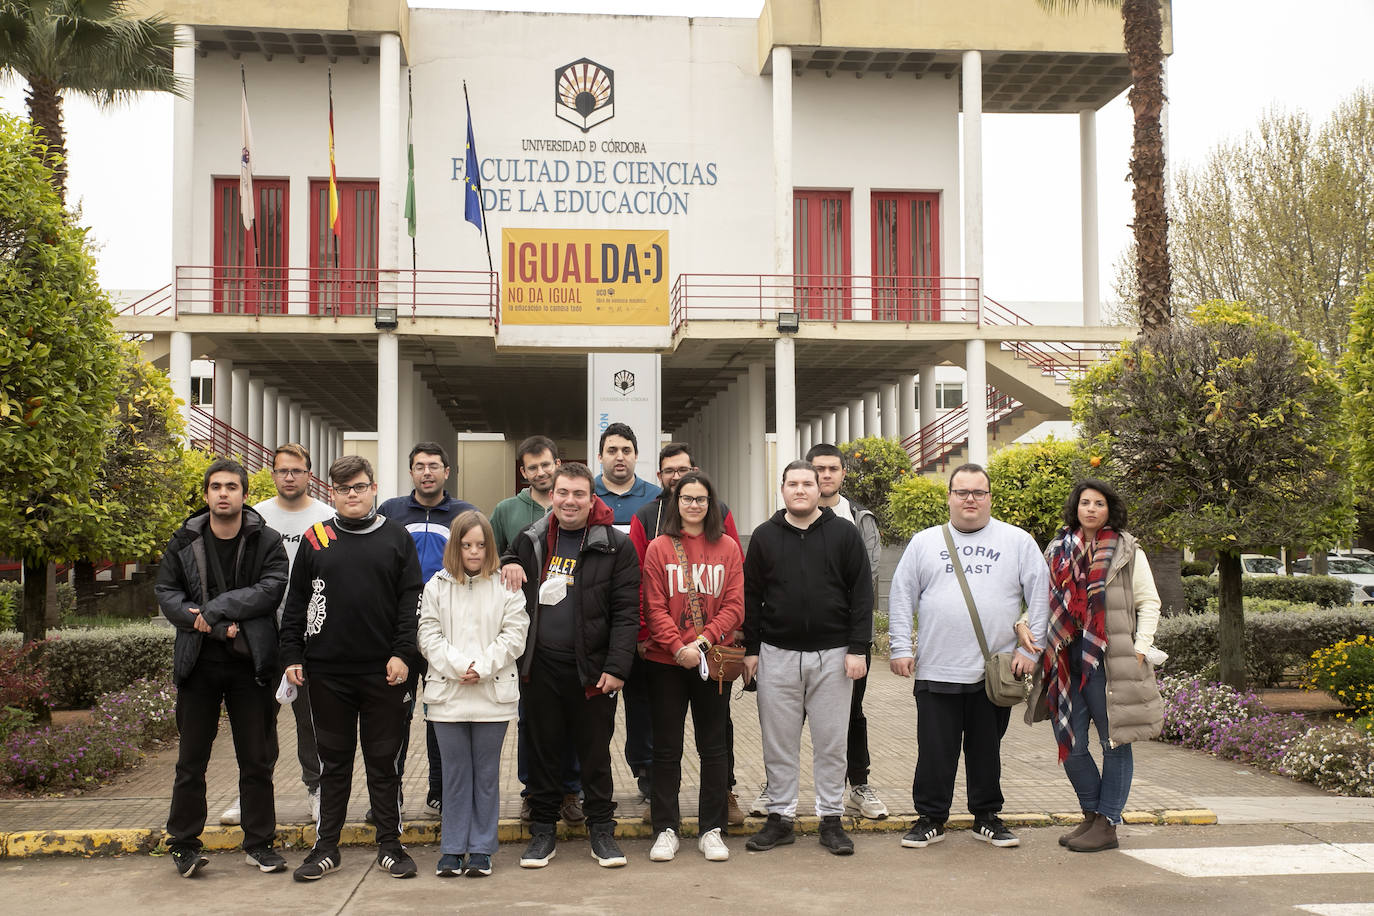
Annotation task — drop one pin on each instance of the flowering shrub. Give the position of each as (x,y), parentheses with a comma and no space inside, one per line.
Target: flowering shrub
(85,754)
(23,688)
(81,664)
(1334,757)
(1195,711)
(1345,671)
(1260,741)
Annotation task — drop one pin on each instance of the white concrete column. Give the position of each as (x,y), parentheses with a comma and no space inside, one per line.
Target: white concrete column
(1087,174)
(972,71)
(856,419)
(184,174)
(926,410)
(269,418)
(976,390)
(238,408)
(224,391)
(316,443)
(757,453)
(842,425)
(388,432)
(254,427)
(785,397)
(828,428)
(906,407)
(336,451)
(782,168)
(179,370)
(283,419)
(326,443)
(304,434)
(407,406)
(804,441)
(871,425)
(740,452)
(391,188)
(293,423)
(817,431)
(734,413)
(889,396)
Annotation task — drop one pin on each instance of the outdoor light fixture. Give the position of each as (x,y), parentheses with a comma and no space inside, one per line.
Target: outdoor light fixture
(385,318)
(788,323)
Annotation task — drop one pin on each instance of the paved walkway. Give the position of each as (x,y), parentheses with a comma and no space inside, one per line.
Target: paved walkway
(1167,779)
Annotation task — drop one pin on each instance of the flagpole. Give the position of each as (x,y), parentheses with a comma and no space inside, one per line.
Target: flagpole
(481,202)
(251,271)
(410,141)
(330,205)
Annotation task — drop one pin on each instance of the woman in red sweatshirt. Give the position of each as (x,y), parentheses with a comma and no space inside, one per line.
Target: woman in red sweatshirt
(690,606)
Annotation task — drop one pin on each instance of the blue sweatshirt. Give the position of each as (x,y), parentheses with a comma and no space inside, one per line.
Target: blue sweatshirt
(428,525)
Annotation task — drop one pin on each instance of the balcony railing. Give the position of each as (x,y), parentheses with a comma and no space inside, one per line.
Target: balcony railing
(935,441)
(219,438)
(328,292)
(823,297)
(1063,361)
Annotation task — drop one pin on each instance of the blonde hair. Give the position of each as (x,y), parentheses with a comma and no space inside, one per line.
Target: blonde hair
(453,551)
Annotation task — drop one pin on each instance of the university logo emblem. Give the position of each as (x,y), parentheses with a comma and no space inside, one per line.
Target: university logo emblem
(584,94)
(624,381)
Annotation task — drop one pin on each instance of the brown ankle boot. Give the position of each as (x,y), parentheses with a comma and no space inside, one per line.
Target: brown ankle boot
(1101,835)
(1075,833)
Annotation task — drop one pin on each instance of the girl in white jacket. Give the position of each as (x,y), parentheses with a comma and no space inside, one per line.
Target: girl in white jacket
(471,632)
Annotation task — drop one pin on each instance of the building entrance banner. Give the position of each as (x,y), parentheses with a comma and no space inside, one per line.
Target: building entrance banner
(623,388)
(601,277)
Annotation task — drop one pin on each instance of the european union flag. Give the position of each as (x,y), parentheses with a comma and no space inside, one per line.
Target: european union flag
(472,180)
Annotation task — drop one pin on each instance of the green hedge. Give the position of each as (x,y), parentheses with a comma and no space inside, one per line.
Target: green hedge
(12,601)
(1274,640)
(81,665)
(1198,568)
(1327,591)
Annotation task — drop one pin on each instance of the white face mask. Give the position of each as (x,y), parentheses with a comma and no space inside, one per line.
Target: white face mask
(554,589)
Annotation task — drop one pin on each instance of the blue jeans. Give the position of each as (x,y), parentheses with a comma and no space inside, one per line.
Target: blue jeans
(471,753)
(1106,792)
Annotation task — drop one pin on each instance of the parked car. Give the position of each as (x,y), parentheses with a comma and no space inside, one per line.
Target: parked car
(1359,573)
(1259,564)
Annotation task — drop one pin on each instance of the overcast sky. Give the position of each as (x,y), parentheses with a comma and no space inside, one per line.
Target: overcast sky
(1233,59)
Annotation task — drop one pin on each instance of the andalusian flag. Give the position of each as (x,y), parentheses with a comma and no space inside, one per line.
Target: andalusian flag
(410,167)
(333,173)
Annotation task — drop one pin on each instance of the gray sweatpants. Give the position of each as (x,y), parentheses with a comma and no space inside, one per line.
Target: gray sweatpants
(810,686)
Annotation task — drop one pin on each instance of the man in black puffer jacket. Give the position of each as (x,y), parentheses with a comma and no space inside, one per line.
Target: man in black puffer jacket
(219,583)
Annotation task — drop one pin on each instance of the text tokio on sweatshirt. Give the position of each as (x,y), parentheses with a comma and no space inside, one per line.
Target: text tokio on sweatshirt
(809,589)
(717,572)
(354,598)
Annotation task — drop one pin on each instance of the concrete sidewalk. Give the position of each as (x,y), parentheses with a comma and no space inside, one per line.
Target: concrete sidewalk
(1171,785)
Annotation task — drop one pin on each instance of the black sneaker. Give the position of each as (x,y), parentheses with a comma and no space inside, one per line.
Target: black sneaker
(188,861)
(833,836)
(923,833)
(777,831)
(266,859)
(434,803)
(450,865)
(541,847)
(605,850)
(317,864)
(395,861)
(479,865)
(992,830)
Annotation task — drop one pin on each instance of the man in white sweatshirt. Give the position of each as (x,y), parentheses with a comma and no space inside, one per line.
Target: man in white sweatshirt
(1004,567)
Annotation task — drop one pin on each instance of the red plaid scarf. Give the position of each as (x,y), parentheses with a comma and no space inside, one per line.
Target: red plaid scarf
(1078,604)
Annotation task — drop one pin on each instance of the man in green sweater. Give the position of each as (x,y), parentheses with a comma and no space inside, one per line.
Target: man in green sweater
(538,458)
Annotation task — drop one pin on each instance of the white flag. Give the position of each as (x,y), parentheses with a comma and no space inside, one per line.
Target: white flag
(246,167)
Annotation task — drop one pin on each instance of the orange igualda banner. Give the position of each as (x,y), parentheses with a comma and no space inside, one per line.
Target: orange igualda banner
(584,276)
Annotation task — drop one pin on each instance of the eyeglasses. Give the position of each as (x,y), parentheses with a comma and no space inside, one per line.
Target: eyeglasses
(359,488)
(977,495)
(289,472)
(694,500)
(676,472)
(436,468)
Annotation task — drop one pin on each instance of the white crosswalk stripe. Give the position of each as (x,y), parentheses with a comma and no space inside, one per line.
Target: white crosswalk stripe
(1338,909)
(1240,861)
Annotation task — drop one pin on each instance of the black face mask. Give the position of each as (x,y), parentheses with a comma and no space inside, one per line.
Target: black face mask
(358,524)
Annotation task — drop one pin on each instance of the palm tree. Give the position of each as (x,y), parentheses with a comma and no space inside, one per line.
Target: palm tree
(91,47)
(1143,31)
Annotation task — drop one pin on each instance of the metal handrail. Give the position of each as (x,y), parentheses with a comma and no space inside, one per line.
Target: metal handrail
(219,438)
(1065,362)
(935,441)
(158,302)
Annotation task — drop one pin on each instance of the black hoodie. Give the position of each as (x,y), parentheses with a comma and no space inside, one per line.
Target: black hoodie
(807,589)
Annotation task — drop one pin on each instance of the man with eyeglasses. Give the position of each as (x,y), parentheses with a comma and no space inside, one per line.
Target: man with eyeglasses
(674,460)
(348,637)
(290,513)
(427,513)
(1004,568)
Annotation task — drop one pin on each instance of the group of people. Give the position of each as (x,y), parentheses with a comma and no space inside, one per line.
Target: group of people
(584,587)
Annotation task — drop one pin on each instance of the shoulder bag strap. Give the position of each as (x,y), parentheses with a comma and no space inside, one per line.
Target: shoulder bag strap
(968,595)
(693,599)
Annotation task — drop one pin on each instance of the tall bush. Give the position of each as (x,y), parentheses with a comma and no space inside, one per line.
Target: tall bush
(1031,481)
(917,503)
(873,466)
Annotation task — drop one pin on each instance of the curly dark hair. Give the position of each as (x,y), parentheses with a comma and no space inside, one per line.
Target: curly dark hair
(1116,507)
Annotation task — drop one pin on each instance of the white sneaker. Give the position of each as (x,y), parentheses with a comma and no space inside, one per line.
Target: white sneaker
(865,801)
(760,806)
(665,847)
(232,814)
(314,796)
(712,846)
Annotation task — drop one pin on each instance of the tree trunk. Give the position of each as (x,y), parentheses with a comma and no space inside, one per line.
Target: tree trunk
(1166,564)
(83,581)
(33,616)
(1231,621)
(45,111)
(1143,34)
(1319,565)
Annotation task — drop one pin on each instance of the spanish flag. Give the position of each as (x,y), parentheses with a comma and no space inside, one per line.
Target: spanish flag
(333,173)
